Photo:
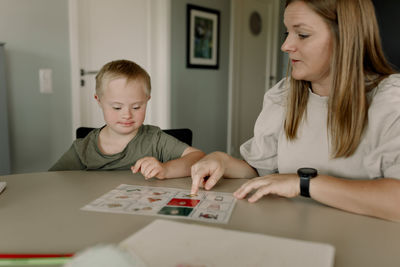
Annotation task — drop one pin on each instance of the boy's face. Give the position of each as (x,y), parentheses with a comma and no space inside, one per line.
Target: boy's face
(124,105)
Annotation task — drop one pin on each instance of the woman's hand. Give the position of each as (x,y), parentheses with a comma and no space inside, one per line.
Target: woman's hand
(207,171)
(150,167)
(286,185)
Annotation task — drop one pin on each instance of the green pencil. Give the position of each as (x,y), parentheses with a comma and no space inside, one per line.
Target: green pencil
(34,261)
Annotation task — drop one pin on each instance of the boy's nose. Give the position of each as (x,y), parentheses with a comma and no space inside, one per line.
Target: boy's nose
(127,113)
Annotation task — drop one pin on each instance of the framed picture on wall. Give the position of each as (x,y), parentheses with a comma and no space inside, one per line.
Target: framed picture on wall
(202,47)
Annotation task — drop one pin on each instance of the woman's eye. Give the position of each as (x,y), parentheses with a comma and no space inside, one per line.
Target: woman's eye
(303,36)
(286,33)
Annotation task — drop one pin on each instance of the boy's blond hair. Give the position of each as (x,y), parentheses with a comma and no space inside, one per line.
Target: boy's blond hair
(121,69)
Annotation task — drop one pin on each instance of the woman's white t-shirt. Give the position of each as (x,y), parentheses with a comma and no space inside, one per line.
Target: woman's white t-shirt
(378,154)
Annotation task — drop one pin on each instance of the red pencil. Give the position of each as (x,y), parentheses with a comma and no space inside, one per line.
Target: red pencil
(23,256)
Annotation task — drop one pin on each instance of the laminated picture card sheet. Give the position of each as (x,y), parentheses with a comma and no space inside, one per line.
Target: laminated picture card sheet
(209,206)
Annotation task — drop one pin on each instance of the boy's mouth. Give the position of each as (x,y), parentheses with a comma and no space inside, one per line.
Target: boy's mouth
(127,123)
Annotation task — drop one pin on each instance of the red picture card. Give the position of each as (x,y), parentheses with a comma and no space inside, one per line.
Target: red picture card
(183,202)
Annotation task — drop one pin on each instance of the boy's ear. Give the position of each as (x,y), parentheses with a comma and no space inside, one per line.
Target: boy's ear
(97,98)
(148,97)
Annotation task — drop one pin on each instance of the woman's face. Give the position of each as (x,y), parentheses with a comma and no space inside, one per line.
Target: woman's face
(309,43)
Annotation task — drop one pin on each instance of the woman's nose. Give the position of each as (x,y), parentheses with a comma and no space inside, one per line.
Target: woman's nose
(288,45)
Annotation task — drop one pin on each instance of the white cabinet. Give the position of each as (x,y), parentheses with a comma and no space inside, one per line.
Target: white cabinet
(4,130)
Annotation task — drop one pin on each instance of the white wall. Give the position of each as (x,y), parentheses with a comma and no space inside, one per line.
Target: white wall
(36,36)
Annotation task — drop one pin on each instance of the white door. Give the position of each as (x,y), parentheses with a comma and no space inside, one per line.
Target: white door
(253,65)
(103,30)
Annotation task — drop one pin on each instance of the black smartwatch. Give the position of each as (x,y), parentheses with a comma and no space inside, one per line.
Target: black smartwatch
(305,175)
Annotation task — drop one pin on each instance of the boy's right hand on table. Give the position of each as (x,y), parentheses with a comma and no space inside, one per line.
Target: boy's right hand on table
(206,172)
(149,167)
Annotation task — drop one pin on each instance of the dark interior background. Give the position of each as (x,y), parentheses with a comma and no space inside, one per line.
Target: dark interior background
(388,14)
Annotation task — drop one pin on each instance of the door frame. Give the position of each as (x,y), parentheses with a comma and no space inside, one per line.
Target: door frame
(235,66)
(159,62)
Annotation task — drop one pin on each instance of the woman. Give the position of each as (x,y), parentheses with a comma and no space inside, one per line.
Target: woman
(338,114)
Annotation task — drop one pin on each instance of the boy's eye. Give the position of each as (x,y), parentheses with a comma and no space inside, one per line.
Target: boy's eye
(136,107)
(116,108)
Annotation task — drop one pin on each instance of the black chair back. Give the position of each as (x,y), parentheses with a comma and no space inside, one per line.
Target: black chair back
(81,132)
(184,135)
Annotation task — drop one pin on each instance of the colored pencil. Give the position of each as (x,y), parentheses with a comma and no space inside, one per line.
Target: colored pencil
(34,261)
(18,256)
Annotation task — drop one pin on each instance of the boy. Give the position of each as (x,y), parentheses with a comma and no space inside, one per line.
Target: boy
(122,92)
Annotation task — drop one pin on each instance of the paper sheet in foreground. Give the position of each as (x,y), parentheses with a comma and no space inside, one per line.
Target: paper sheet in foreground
(172,244)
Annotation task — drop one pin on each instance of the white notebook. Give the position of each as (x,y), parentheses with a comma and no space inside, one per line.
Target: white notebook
(168,243)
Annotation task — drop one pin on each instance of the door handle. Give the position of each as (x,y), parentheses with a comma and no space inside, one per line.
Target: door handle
(86,72)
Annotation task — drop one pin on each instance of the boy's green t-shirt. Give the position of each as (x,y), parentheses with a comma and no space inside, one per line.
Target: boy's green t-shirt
(150,141)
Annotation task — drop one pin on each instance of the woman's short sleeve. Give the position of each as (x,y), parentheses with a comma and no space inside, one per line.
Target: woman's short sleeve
(261,150)
(383,132)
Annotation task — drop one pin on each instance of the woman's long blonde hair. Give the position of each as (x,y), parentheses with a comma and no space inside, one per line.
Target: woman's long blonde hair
(358,65)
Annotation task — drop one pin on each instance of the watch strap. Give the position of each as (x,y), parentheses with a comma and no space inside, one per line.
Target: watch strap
(305,186)
(305,174)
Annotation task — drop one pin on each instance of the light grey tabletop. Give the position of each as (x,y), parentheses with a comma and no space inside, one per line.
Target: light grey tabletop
(40,213)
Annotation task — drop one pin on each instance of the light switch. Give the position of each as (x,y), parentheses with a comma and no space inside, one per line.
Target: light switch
(46,81)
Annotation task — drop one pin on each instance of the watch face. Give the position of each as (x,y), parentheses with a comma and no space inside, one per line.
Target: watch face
(307,172)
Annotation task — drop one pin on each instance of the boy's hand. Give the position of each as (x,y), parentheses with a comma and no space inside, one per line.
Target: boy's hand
(149,167)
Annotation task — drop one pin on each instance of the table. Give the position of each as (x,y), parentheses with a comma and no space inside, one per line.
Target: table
(40,213)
